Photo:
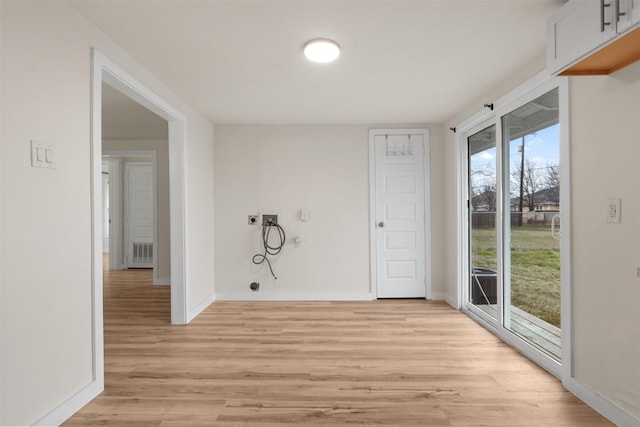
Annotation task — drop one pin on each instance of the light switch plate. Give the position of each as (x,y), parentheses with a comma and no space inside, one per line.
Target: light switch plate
(43,155)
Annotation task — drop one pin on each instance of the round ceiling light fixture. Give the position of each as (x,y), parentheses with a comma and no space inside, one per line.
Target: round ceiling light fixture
(321,50)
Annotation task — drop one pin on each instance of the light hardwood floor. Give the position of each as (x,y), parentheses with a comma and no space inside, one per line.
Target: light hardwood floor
(393,362)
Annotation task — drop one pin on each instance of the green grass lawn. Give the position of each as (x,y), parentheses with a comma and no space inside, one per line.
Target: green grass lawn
(535,268)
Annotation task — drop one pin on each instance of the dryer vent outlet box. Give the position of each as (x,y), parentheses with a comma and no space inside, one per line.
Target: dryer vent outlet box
(269,219)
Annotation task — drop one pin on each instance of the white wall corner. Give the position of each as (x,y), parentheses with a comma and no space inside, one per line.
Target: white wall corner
(72,405)
(452,302)
(200,307)
(439,296)
(162,281)
(604,406)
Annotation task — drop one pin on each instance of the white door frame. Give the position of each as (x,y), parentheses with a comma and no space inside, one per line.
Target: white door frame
(115,220)
(372,206)
(104,70)
(105,192)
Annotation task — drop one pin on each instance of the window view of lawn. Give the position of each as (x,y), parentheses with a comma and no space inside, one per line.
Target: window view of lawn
(535,268)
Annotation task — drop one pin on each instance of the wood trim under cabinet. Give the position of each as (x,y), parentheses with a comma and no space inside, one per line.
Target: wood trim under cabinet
(613,57)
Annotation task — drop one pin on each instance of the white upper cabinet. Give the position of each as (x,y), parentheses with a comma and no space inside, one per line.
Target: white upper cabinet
(579,27)
(628,14)
(582,27)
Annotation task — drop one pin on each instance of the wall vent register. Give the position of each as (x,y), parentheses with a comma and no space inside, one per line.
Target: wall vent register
(142,253)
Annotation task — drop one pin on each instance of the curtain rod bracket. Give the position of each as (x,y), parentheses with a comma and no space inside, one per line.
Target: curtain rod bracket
(453,129)
(490,106)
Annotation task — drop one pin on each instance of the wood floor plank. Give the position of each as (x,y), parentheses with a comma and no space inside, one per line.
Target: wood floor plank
(390,362)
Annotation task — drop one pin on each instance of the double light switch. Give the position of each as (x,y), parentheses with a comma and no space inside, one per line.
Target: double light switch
(43,155)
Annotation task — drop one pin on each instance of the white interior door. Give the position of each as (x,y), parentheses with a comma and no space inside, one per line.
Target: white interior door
(139,214)
(400,218)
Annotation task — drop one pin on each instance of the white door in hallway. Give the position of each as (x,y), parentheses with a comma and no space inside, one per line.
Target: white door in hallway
(400,215)
(139,214)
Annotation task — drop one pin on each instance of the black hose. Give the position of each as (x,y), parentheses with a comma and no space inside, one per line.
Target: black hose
(268,249)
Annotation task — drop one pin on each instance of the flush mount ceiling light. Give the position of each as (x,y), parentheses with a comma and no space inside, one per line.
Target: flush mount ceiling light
(321,50)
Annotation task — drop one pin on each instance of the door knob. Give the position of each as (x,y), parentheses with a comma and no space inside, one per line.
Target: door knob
(381,224)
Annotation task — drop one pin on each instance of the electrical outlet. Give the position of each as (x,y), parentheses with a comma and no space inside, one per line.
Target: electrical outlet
(613,210)
(269,219)
(252,220)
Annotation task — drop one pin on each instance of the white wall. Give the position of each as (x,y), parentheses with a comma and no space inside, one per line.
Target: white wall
(1,210)
(199,197)
(46,224)
(45,269)
(438,170)
(282,169)
(605,143)
(161,147)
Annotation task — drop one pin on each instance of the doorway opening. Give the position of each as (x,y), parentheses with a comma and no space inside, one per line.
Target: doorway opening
(106,72)
(151,225)
(132,134)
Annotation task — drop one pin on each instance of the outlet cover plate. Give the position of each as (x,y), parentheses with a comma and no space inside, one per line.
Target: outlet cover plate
(613,211)
(269,219)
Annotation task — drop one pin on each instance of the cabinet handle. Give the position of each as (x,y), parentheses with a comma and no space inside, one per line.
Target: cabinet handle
(620,14)
(603,23)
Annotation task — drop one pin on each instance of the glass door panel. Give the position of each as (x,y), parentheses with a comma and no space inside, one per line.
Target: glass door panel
(482,220)
(531,293)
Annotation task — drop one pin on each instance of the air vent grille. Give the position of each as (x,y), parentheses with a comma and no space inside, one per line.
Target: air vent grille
(142,252)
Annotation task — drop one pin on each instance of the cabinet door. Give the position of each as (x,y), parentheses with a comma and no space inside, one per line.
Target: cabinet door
(628,14)
(579,27)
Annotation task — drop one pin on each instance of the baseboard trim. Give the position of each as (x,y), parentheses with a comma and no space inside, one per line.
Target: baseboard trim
(292,296)
(200,307)
(161,281)
(72,405)
(438,296)
(604,406)
(451,303)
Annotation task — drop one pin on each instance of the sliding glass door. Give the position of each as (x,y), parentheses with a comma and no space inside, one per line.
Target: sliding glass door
(531,143)
(514,222)
(483,234)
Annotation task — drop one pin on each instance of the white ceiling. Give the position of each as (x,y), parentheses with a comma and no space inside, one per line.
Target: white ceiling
(241,62)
